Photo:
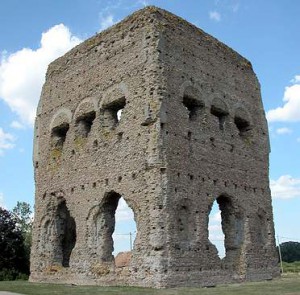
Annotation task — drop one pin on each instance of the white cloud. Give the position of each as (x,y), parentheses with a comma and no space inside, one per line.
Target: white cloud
(298,139)
(214,15)
(6,141)
(17,125)
(123,212)
(296,79)
(283,130)
(290,111)
(22,73)
(285,187)
(106,21)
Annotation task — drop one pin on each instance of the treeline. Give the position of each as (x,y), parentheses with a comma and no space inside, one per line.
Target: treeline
(15,242)
(290,251)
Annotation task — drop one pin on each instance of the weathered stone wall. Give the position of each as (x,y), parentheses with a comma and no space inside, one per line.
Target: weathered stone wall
(192,130)
(216,147)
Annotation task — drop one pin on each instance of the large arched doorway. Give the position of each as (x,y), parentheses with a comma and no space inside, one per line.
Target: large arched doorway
(113,228)
(125,229)
(215,232)
(66,229)
(229,222)
(58,234)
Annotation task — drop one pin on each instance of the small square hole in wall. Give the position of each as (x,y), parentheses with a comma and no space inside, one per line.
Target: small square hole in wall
(95,143)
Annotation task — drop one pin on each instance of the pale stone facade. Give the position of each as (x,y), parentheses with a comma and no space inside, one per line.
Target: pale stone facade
(192,131)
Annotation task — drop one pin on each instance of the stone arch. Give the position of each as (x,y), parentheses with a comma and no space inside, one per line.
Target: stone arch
(44,247)
(243,122)
(185,85)
(191,100)
(233,229)
(101,226)
(219,109)
(84,116)
(59,127)
(57,232)
(112,106)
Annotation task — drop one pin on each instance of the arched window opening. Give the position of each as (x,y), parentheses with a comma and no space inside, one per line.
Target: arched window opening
(220,114)
(112,112)
(58,135)
(242,125)
(65,229)
(219,110)
(242,122)
(84,124)
(193,106)
(215,232)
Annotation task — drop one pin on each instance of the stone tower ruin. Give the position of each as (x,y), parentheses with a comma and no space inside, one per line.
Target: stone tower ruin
(192,131)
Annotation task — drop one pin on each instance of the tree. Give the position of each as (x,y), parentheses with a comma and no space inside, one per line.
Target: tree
(12,248)
(290,251)
(23,215)
(22,212)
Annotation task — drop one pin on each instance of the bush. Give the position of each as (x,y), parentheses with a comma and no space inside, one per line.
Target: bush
(11,275)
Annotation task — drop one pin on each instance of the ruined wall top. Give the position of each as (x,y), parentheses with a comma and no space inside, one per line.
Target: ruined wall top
(141,18)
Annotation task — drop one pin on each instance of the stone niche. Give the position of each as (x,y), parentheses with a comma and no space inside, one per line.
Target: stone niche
(158,112)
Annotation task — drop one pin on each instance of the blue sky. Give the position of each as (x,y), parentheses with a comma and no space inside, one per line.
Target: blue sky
(34,32)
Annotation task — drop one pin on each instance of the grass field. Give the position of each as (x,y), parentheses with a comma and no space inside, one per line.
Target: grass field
(291,267)
(287,285)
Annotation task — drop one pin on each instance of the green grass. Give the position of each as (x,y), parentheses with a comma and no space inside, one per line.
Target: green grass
(287,285)
(291,267)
